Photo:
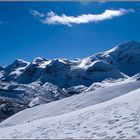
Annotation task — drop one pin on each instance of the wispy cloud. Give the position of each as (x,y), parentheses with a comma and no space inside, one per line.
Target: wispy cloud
(53,18)
(37,14)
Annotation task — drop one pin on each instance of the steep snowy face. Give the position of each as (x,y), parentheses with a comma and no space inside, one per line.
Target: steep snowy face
(127,56)
(57,66)
(33,71)
(124,58)
(18,63)
(15,69)
(56,72)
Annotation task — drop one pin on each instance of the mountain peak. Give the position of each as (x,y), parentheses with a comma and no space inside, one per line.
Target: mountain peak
(18,63)
(131,47)
(126,46)
(38,60)
(130,44)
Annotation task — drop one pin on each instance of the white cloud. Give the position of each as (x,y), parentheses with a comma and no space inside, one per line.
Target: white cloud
(52,18)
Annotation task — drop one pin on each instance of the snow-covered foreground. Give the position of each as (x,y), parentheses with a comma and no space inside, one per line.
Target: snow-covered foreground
(116,118)
(106,92)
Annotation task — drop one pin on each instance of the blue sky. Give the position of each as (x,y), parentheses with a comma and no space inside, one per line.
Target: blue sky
(59,29)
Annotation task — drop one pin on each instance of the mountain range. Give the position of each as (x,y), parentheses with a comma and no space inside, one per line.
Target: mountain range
(28,84)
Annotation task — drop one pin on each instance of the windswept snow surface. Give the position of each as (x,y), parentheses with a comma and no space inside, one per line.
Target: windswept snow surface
(116,119)
(106,92)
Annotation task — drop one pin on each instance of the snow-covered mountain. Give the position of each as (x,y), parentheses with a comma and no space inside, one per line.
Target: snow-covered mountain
(42,80)
(119,62)
(15,69)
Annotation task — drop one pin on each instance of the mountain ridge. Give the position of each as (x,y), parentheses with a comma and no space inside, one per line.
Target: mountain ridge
(42,80)
(79,71)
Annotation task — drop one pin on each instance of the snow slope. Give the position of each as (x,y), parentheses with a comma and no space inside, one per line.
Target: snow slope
(107,91)
(114,119)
